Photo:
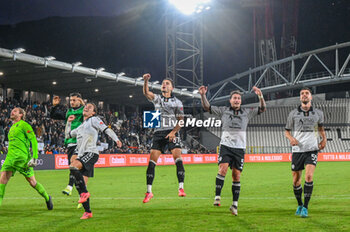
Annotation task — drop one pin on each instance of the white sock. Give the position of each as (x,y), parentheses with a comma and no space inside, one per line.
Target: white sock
(149,188)
(235,203)
(181,185)
(217,197)
(69,187)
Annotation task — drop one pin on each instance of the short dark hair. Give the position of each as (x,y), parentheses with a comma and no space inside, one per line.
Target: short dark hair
(306,88)
(171,81)
(75,95)
(235,92)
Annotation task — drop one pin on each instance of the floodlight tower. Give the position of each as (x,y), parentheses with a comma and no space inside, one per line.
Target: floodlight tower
(184,42)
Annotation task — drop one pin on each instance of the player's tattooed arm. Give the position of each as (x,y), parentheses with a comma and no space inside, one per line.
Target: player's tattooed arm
(149,95)
(261,99)
(205,103)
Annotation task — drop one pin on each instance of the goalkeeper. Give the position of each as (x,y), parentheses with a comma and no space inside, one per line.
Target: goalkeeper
(19,158)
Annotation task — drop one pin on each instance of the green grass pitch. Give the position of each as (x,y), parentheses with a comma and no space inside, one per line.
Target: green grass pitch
(266,202)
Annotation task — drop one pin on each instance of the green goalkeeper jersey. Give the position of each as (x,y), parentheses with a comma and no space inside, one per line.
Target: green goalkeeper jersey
(78,113)
(21,136)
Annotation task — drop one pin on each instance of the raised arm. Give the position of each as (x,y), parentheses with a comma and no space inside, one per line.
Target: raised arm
(149,95)
(57,112)
(261,99)
(205,103)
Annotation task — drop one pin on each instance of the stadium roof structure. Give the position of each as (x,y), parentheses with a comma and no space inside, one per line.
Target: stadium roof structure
(45,74)
(321,67)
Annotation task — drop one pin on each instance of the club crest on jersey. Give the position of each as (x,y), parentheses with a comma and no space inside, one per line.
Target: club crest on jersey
(151,119)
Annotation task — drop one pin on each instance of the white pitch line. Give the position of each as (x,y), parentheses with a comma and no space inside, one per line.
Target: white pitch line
(335,197)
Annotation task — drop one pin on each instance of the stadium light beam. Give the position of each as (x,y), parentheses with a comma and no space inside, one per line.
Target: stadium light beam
(1,73)
(189,7)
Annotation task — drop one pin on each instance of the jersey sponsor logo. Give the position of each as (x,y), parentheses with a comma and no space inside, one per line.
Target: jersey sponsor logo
(151,119)
(28,131)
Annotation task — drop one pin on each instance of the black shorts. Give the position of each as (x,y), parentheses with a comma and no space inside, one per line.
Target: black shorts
(162,144)
(300,159)
(233,156)
(88,160)
(70,152)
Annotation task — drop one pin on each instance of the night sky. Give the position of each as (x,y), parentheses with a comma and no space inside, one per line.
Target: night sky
(228,37)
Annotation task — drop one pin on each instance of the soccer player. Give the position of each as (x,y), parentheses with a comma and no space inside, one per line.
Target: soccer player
(171,109)
(19,158)
(83,166)
(59,112)
(306,122)
(233,139)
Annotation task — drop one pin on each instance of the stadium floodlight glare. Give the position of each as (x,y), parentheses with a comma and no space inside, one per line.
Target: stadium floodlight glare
(188,7)
(96,90)
(1,73)
(130,96)
(54,83)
